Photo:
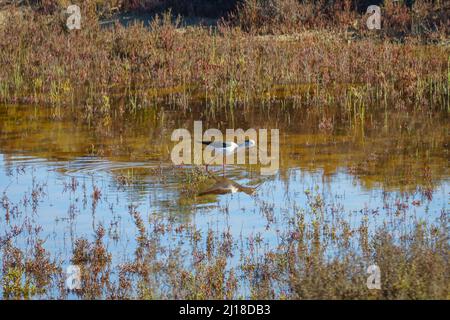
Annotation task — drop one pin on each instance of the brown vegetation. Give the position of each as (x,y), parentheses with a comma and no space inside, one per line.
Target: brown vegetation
(135,66)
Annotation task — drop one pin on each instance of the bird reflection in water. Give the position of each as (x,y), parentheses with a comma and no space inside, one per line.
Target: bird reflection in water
(224,185)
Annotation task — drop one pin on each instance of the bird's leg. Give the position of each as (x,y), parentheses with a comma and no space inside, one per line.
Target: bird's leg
(213,159)
(207,164)
(223,165)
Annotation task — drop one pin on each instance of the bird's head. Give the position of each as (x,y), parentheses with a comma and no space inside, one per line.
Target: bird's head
(250,143)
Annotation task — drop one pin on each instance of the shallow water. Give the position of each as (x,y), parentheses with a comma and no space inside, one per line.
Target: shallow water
(394,165)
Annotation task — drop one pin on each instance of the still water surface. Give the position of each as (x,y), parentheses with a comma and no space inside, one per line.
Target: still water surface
(53,161)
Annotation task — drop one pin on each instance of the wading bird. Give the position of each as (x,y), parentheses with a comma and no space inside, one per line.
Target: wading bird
(224,149)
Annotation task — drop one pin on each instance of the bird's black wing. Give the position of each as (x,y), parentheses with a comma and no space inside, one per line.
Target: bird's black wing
(206,143)
(224,144)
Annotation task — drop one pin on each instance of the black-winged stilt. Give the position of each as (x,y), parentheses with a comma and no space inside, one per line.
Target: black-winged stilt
(226,148)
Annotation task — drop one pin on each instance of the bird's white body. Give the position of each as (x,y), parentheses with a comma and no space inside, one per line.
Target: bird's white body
(223,148)
(228,148)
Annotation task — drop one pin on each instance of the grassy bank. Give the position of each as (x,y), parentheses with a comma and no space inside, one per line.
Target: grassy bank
(227,67)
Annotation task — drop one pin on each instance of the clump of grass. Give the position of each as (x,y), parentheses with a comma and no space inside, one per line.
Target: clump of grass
(95,262)
(193,178)
(27,274)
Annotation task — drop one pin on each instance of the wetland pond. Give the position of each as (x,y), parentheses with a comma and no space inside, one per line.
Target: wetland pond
(63,174)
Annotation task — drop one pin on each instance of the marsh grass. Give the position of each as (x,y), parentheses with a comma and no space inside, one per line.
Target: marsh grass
(422,19)
(138,67)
